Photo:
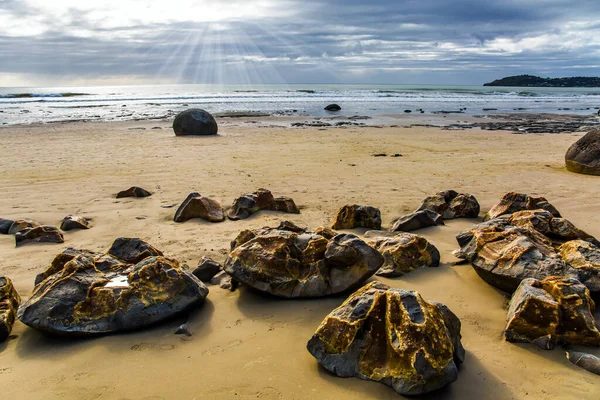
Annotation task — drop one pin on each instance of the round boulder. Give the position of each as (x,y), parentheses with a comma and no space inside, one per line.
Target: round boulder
(583,157)
(333,107)
(194,122)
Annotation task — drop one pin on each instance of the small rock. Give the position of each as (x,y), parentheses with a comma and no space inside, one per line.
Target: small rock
(224,281)
(22,224)
(357,216)
(196,206)
(207,269)
(5,225)
(133,191)
(183,330)
(586,361)
(417,220)
(380,155)
(71,222)
(333,107)
(9,303)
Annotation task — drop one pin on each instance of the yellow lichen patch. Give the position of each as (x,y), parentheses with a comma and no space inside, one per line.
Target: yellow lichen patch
(574,253)
(9,302)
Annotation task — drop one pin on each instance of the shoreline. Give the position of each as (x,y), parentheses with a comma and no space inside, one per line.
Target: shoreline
(246,345)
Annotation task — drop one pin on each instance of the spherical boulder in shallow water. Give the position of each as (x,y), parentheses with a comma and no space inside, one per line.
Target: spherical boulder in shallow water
(194,122)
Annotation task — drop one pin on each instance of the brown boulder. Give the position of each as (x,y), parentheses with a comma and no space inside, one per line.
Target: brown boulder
(357,216)
(71,222)
(9,303)
(450,204)
(196,206)
(290,264)
(512,202)
(583,157)
(553,310)
(417,220)
(133,191)
(404,253)
(22,224)
(40,234)
(103,293)
(392,336)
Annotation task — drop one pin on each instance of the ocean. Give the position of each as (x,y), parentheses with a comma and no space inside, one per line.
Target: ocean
(120,103)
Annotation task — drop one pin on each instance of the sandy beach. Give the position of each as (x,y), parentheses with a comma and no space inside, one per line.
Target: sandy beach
(246,345)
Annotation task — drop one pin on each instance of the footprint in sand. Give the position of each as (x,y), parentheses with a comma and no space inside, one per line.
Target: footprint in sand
(4,371)
(221,349)
(152,346)
(53,380)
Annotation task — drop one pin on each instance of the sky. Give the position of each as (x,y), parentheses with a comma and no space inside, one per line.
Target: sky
(458,42)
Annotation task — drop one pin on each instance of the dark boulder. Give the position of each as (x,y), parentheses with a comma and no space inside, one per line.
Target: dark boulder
(512,202)
(196,206)
(86,298)
(290,264)
(589,362)
(132,250)
(451,204)
(332,107)
(207,269)
(71,222)
(195,122)
(248,204)
(583,157)
(9,303)
(357,216)
(40,234)
(392,336)
(417,220)
(133,191)
(404,253)
(5,225)
(553,310)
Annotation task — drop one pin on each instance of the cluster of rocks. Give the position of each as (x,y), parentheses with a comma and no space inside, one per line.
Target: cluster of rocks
(518,242)
(29,231)
(197,206)
(131,286)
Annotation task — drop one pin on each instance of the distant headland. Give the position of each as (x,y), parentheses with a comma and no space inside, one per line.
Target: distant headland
(536,81)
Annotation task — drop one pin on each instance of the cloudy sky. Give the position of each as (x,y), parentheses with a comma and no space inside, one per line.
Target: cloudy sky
(103,42)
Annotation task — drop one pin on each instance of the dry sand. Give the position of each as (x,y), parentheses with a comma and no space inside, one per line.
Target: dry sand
(245,345)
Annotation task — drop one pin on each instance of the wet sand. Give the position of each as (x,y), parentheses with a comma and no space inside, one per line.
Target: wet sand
(246,345)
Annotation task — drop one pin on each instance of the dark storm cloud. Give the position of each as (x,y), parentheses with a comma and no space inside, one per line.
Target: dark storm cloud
(462,41)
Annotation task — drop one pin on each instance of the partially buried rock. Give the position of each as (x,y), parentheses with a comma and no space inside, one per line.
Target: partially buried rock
(289,264)
(451,204)
(357,216)
(391,336)
(333,107)
(224,281)
(195,122)
(5,225)
(583,156)
(9,303)
(586,361)
(99,293)
(71,222)
(417,220)
(207,269)
(248,204)
(512,202)
(550,311)
(404,253)
(133,191)
(22,224)
(40,234)
(196,206)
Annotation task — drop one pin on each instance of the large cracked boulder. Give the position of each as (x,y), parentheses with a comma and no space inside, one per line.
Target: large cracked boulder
(555,310)
(417,220)
(130,287)
(292,264)
(583,157)
(391,336)
(9,303)
(357,216)
(530,244)
(451,204)
(248,204)
(39,234)
(512,202)
(195,122)
(404,253)
(196,206)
